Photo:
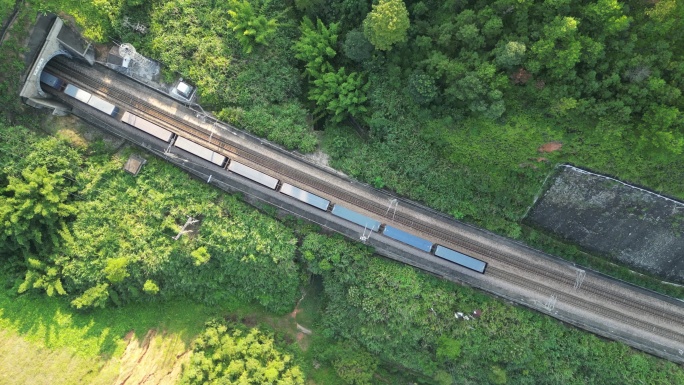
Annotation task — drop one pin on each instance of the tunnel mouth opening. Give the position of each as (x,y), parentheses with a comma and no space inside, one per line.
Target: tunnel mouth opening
(42,90)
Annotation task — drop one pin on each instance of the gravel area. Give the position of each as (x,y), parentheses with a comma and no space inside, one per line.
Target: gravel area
(630,225)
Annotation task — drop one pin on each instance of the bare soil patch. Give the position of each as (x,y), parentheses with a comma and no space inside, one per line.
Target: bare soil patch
(550,147)
(156,359)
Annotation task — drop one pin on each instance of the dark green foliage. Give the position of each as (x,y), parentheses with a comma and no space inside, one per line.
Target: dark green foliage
(352,363)
(421,87)
(357,47)
(250,28)
(316,46)
(339,95)
(12,64)
(34,209)
(407,317)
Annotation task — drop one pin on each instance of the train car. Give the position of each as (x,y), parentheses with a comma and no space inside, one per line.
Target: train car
(147,126)
(305,196)
(460,259)
(51,80)
(250,173)
(201,151)
(409,239)
(77,93)
(354,217)
(103,105)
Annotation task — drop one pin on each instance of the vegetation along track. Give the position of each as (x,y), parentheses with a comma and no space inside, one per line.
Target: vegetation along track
(69,72)
(588,306)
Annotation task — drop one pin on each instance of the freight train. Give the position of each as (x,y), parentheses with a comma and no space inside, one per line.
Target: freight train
(263,179)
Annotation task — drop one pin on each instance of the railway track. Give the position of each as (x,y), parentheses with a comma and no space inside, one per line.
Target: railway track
(582,304)
(464,244)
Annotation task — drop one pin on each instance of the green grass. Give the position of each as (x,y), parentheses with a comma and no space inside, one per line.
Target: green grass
(53,324)
(312,306)
(24,362)
(45,341)
(6,8)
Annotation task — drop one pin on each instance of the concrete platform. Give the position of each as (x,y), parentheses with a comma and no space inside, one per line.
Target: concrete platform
(54,39)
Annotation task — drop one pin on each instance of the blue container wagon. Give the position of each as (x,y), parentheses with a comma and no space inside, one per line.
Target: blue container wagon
(407,238)
(461,259)
(354,217)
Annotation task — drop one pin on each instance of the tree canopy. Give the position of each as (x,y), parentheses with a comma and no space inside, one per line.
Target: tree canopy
(387,24)
(33,212)
(231,355)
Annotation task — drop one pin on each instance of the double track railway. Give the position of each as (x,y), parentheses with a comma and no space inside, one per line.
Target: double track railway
(554,281)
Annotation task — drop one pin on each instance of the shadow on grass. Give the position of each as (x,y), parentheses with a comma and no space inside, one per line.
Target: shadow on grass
(100,332)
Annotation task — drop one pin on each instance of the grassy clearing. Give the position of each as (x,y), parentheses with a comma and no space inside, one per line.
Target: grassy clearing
(44,341)
(24,362)
(100,333)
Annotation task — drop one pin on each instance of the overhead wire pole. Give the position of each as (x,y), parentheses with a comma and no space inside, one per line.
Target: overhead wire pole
(581,274)
(365,237)
(393,203)
(550,304)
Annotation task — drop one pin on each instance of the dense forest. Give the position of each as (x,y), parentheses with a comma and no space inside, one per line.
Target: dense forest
(445,102)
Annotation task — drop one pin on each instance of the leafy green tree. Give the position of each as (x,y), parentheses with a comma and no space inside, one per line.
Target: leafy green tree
(421,87)
(511,54)
(387,24)
(150,287)
(448,349)
(96,296)
(200,256)
(353,363)
(41,275)
(316,46)
(309,6)
(357,47)
(116,269)
(470,37)
(558,50)
(224,355)
(33,213)
(249,27)
(498,375)
(339,95)
(662,136)
(608,16)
